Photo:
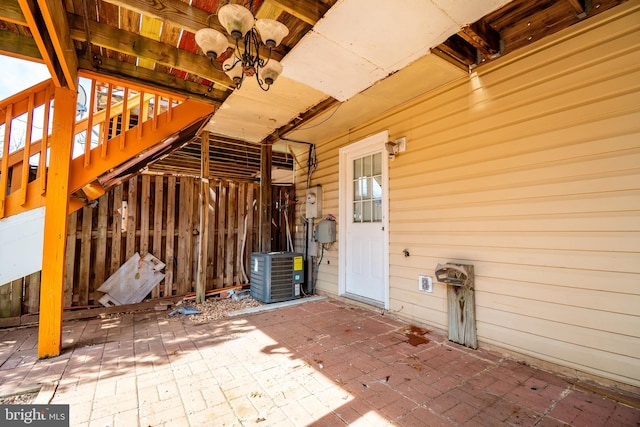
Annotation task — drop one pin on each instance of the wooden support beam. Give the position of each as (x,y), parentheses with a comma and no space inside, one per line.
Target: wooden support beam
(458,50)
(17,46)
(265,197)
(305,11)
(176,12)
(11,12)
(581,7)
(55,20)
(106,36)
(35,22)
(179,14)
(482,36)
(55,225)
(203,236)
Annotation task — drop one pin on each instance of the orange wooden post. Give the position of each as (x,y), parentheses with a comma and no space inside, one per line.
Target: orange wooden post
(106,127)
(55,224)
(4,167)
(87,139)
(124,123)
(142,114)
(156,108)
(27,151)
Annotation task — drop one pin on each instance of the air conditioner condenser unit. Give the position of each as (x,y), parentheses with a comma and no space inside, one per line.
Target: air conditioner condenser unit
(276,276)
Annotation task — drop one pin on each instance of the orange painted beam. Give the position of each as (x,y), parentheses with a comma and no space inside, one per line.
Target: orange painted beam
(55,225)
(182,116)
(4,164)
(20,101)
(31,14)
(57,31)
(13,205)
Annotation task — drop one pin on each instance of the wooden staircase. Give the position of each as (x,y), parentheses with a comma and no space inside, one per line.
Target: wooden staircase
(121,121)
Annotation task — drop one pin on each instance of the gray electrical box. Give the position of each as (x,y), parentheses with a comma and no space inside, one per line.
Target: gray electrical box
(314,202)
(326,231)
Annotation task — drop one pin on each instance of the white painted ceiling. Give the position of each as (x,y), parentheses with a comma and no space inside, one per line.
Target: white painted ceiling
(356,44)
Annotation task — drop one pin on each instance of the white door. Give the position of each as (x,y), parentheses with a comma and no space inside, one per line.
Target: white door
(363,206)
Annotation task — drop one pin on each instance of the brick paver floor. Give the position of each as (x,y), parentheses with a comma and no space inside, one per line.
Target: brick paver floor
(322,363)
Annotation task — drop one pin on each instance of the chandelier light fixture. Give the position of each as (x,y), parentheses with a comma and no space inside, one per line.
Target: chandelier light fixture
(249,34)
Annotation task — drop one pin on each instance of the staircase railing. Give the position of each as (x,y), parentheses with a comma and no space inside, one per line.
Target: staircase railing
(22,151)
(109,111)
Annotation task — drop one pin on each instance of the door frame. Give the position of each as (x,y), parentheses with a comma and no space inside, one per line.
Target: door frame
(371,144)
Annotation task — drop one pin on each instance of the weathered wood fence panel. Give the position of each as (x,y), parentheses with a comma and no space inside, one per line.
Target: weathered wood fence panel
(159,214)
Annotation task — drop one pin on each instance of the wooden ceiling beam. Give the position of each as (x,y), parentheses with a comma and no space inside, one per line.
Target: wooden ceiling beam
(579,6)
(457,48)
(11,12)
(133,44)
(17,46)
(304,10)
(38,28)
(154,79)
(55,19)
(181,15)
(176,12)
(483,37)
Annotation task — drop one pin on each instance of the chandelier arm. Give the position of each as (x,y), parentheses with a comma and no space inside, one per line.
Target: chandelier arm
(236,52)
(260,82)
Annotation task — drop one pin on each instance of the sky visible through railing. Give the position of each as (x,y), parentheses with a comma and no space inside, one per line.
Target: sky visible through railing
(18,75)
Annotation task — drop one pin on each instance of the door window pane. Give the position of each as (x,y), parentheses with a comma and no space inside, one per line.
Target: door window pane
(377,187)
(357,168)
(377,211)
(377,164)
(366,166)
(366,211)
(357,212)
(367,188)
(357,192)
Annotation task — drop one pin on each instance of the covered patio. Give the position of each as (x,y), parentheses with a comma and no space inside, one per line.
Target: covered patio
(319,363)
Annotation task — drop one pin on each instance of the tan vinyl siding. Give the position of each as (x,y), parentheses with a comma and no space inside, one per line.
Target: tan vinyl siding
(530,170)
